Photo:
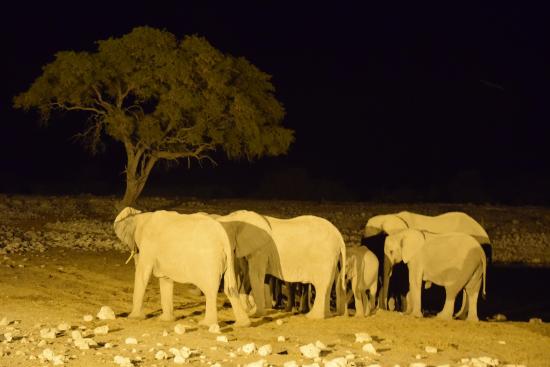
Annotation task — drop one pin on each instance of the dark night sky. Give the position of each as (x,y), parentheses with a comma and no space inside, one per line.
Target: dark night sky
(400,102)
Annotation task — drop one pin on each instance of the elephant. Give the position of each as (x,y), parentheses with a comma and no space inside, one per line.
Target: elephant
(303,249)
(183,248)
(362,270)
(452,260)
(388,224)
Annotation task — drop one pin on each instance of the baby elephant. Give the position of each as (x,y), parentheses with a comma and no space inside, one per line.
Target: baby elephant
(362,270)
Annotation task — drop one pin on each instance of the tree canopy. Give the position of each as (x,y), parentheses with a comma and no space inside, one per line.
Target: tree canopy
(163,98)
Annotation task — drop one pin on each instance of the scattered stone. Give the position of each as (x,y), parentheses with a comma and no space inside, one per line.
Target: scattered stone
(378,365)
(88,318)
(85,343)
(106,313)
(501,342)
(179,329)
(101,330)
(337,362)
(369,348)
(321,345)
(260,363)
(123,361)
(75,334)
(4,321)
(350,356)
(8,337)
(418,356)
(108,346)
(417,364)
(222,339)
(130,341)
(311,365)
(160,355)
(165,333)
(265,350)
(291,364)
(214,329)
(281,338)
(63,326)
(41,343)
(431,350)
(48,333)
(362,338)
(248,348)
(310,351)
(279,322)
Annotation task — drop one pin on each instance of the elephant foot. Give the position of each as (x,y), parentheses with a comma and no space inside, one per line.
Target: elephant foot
(417,314)
(242,323)
(472,318)
(444,316)
(136,315)
(208,322)
(315,315)
(167,317)
(257,313)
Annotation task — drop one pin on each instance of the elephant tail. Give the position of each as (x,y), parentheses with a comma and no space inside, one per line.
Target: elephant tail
(343,263)
(484,262)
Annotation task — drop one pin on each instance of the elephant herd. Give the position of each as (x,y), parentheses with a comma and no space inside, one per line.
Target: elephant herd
(243,247)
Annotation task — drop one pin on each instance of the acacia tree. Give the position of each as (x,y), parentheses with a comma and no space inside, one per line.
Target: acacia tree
(163,98)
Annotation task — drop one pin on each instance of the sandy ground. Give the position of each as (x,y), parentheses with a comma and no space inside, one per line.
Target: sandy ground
(43,289)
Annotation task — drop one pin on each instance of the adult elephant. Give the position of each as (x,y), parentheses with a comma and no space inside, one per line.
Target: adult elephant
(455,261)
(304,249)
(387,224)
(183,248)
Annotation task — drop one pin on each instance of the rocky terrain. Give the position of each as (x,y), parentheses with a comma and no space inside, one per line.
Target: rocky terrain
(65,291)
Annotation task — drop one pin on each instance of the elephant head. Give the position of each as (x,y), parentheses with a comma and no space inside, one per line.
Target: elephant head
(389,223)
(125,228)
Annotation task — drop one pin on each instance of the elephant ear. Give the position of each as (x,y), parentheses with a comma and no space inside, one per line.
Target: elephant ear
(411,243)
(125,226)
(393,224)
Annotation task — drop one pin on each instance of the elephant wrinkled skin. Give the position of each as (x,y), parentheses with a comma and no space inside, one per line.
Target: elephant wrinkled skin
(183,248)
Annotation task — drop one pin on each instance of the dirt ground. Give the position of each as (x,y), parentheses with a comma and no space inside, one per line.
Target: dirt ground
(41,289)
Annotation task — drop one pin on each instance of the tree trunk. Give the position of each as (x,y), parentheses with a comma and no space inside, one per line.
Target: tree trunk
(133,190)
(135,177)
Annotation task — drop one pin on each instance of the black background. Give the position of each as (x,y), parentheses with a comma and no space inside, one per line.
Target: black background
(397,103)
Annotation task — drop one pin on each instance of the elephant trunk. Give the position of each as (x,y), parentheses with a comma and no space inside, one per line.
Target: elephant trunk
(385,283)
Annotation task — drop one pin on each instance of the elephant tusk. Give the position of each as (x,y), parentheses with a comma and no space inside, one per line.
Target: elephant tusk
(131,255)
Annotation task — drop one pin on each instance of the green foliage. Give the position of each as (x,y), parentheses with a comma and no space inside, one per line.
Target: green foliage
(164,98)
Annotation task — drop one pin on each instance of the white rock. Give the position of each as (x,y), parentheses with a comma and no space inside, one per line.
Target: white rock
(47,354)
(87,318)
(310,350)
(501,342)
(179,359)
(4,321)
(417,364)
(418,356)
(75,334)
(336,362)
(260,363)
(290,364)
(369,348)
(214,328)
(8,337)
(122,361)
(108,346)
(443,365)
(489,361)
(362,338)
(48,333)
(165,333)
(63,326)
(222,339)
(321,345)
(160,355)
(81,344)
(281,338)
(378,365)
(41,343)
(350,356)
(101,330)
(431,350)
(265,350)
(179,329)
(216,365)
(232,354)
(131,341)
(279,322)
(248,348)
(311,365)
(58,360)
(106,313)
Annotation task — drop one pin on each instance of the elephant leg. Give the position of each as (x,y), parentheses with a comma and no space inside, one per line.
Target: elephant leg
(372,296)
(304,298)
(211,308)
(167,298)
(366,304)
(241,318)
(322,293)
(291,287)
(449,306)
(472,305)
(461,314)
(141,279)
(358,297)
(415,289)
(258,265)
